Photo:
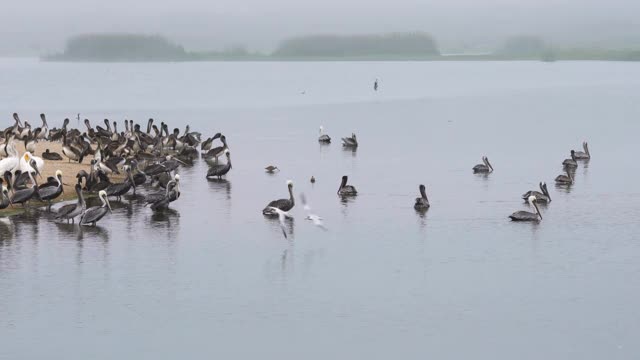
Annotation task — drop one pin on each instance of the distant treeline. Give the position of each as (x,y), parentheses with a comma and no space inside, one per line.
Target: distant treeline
(411,44)
(121,47)
(397,46)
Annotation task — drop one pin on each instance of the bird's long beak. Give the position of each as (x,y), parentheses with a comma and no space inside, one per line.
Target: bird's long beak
(108,205)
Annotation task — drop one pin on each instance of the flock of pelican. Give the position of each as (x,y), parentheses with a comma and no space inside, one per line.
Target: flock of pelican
(150,158)
(142,158)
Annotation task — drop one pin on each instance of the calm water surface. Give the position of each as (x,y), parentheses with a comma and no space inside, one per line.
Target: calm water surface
(213,277)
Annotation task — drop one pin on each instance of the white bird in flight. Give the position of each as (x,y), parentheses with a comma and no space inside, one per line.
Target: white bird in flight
(281,216)
(317,220)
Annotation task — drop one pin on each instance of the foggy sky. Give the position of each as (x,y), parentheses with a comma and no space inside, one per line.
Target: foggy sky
(41,26)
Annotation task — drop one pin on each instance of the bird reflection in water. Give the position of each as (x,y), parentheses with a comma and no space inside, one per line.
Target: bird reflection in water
(289,225)
(221,185)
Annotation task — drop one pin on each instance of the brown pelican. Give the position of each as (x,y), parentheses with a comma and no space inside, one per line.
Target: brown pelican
(271,169)
(323,138)
(422,203)
(119,189)
(565,179)
(30,141)
(313,179)
(350,141)
(220,170)
(52,192)
(206,145)
(160,201)
(571,163)
(483,168)
(5,201)
(346,190)
(541,197)
(47,155)
(44,130)
(583,155)
(93,214)
(71,151)
(70,211)
(23,196)
(282,204)
(526,215)
(217,151)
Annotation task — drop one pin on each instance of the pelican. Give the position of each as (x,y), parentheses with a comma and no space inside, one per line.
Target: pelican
(422,203)
(282,204)
(323,138)
(317,220)
(271,169)
(12,162)
(5,201)
(70,151)
(30,141)
(172,194)
(350,141)
(206,145)
(483,168)
(25,162)
(526,215)
(70,211)
(93,214)
(52,192)
(571,163)
(281,216)
(583,155)
(23,196)
(47,155)
(313,179)
(540,196)
(565,179)
(44,130)
(217,151)
(346,190)
(220,170)
(119,189)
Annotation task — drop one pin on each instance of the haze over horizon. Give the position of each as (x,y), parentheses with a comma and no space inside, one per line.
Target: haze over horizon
(34,27)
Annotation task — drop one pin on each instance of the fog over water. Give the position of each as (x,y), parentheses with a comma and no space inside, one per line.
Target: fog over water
(39,26)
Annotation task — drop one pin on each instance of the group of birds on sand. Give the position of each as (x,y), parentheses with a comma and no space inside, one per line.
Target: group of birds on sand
(148,158)
(533,197)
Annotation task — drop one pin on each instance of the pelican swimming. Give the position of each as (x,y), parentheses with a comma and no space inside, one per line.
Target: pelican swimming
(422,203)
(282,204)
(346,190)
(586,155)
(526,215)
(47,155)
(50,192)
(93,214)
(565,179)
(70,211)
(483,168)
(323,138)
(23,196)
(540,196)
(162,200)
(350,141)
(571,163)
(220,169)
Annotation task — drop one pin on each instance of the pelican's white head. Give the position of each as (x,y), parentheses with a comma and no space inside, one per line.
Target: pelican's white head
(532,199)
(176,178)
(58,173)
(289,182)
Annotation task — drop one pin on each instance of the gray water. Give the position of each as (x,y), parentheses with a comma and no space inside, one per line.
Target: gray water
(214,278)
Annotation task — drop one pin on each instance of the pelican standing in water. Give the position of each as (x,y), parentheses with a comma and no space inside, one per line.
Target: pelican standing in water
(571,163)
(526,215)
(346,190)
(565,179)
(586,155)
(93,214)
(483,168)
(323,138)
(282,204)
(541,197)
(70,211)
(220,169)
(422,203)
